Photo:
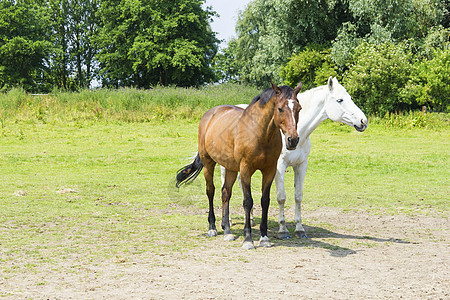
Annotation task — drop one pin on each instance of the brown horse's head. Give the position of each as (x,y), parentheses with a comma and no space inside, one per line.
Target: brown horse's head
(286,113)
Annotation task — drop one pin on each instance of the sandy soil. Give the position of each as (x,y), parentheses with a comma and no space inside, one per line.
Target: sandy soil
(366,256)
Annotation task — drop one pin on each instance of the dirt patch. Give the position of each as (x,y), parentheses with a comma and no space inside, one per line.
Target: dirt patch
(350,255)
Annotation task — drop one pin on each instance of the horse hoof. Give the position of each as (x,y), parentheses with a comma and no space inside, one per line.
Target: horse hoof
(228,237)
(212,233)
(301,234)
(283,235)
(248,245)
(264,242)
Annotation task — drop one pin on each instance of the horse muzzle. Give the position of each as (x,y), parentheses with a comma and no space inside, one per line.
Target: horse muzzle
(362,126)
(292,142)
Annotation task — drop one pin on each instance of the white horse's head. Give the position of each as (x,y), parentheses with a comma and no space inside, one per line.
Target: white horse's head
(340,107)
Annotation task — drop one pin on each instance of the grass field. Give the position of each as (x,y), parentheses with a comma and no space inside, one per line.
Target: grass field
(89,189)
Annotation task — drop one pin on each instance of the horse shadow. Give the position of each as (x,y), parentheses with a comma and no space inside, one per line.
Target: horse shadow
(314,234)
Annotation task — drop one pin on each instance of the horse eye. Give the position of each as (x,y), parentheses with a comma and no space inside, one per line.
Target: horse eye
(339,100)
(280,109)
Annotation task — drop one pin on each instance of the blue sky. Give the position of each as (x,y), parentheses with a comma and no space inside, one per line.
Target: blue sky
(228,11)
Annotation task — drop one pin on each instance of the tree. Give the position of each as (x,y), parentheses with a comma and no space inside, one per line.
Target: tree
(83,26)
(269,32)
(387,21)
(225,65)
(74,24)
(24,46)
(148,42)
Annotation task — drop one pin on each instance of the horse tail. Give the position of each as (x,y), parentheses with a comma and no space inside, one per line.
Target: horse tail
(188,173)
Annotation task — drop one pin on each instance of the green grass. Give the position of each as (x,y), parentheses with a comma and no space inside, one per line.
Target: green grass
(86,189)
(392,170)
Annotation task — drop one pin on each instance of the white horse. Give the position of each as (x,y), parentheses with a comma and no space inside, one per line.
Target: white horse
(330,101)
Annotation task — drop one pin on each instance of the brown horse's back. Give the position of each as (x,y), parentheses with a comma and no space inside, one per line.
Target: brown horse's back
(216,134)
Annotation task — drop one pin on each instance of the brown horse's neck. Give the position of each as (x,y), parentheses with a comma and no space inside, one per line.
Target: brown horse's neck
(263,116)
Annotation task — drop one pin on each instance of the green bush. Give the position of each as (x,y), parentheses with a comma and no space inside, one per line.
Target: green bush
(430,82)
(312,66)
(377,76)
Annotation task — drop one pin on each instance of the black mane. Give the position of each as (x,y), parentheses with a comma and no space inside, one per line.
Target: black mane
(265,96)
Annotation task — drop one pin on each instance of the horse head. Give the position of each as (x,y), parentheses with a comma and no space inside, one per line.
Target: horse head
(286,113)
(340,107)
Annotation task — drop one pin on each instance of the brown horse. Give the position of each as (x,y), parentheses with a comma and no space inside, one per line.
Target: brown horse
(244,141)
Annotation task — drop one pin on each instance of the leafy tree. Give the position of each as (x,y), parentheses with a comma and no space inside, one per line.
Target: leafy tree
(83,26)
(24,46)
(74,24)
(225,65)
(387,21)
(60,58)
(377,76)
(270,31)
(148,42)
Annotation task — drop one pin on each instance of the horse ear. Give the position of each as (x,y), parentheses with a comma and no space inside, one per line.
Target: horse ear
(330,83)
(298,88)
(275,88)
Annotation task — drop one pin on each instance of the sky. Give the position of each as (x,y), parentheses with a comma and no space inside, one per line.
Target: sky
(228,11)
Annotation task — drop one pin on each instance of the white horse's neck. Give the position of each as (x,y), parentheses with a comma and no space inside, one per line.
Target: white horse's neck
(313,111)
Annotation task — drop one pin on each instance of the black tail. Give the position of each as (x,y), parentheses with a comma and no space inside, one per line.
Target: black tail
(188,173)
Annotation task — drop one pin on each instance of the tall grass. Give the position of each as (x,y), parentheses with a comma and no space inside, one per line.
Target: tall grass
(129,105)
(160,104)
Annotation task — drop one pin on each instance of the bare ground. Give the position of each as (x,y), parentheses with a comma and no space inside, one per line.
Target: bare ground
(363,256)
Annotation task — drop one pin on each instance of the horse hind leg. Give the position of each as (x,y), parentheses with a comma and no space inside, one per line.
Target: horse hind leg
(208,170)
(229,179)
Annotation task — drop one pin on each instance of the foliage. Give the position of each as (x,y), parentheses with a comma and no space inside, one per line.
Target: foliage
(149,42)
(24,45)
(312,66)
(429,84)
(377,76)
(400,19)
(225,65)
(270,31)
(69,43)
(74,24)
(393,21)
(438,38)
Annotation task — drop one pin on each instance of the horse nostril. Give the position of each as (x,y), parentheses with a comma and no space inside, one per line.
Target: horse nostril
(293,141)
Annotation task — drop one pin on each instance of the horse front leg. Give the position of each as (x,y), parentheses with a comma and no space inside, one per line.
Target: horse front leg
(248,206)
(229,179)
(300,173)
(283,232)
(267,180)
